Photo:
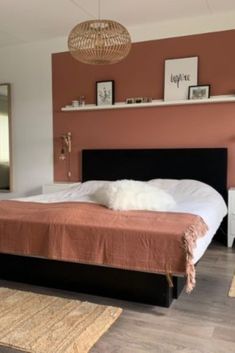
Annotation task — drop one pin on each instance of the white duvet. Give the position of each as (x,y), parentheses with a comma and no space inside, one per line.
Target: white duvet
(190,196)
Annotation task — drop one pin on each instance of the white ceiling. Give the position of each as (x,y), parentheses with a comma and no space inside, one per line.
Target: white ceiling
(23,21)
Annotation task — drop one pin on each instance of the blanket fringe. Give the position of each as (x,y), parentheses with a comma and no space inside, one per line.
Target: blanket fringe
(195,231)
(169,279)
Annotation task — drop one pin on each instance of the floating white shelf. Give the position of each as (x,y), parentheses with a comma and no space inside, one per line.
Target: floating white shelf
(154,103)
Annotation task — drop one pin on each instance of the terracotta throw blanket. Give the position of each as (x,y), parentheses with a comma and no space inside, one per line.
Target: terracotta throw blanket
(88,233)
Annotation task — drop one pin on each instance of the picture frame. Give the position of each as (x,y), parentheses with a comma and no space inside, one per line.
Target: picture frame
(105,92)
(138,100)
(178,76)
(199,92)
(130,100)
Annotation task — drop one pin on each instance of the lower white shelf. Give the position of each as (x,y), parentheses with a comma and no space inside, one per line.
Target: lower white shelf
(154,103)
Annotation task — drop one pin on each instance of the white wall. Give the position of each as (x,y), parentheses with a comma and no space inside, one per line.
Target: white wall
(28,69)
(182,27)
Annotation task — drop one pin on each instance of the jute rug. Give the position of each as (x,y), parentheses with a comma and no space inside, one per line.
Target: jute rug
(232,288)
(39,323)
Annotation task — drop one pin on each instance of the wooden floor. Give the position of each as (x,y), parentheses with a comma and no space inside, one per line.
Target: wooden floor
(203,322)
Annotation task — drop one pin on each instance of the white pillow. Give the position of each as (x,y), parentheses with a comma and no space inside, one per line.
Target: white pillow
(133,195)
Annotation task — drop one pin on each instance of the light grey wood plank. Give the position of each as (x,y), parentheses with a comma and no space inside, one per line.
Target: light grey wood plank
(202,322)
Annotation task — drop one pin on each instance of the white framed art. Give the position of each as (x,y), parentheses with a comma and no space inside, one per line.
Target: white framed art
(179,75)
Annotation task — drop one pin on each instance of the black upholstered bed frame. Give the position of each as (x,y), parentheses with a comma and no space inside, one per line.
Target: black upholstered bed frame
(208,165)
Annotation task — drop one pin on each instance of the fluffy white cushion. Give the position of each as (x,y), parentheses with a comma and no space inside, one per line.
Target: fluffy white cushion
(133,195)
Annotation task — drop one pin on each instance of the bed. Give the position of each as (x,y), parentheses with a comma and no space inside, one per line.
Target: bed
(124,164)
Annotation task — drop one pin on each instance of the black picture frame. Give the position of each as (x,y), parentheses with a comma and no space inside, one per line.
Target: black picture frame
(105,92)
(199,92)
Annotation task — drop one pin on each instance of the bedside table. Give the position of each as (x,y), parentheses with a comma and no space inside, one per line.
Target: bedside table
(59,186)
(231,217)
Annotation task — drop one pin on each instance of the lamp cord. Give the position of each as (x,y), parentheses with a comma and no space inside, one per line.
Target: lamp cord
(208,5)
(69,173)
(75,2)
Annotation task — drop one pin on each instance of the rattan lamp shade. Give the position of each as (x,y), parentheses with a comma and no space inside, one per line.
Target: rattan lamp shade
(99,42)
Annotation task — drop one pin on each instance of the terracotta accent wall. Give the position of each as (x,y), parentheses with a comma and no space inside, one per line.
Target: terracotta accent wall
(142,74)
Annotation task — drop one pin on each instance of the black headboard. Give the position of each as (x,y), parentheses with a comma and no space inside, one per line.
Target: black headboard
(208,165)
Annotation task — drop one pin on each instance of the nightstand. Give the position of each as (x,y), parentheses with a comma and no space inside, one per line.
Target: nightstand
(231,217)
(59,186)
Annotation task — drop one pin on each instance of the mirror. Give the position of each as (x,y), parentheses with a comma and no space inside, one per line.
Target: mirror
(5,162)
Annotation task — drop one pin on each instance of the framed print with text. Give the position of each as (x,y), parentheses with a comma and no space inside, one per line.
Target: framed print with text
(179,75)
